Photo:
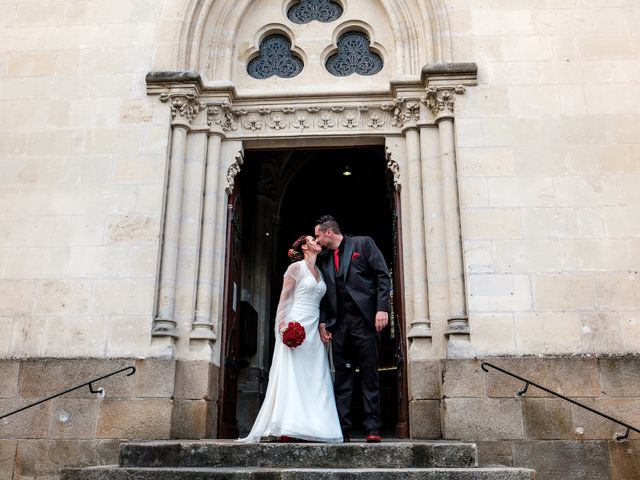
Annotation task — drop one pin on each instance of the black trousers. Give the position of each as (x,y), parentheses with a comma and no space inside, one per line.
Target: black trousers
(355,343)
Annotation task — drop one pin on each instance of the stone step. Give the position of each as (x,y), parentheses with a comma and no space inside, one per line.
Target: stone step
(239,473)
(216,453)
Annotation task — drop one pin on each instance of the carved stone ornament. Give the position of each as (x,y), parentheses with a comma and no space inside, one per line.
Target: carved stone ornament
(184,106)
(402,111)
(441,99)
(232,171)
(222,116)
(394,168)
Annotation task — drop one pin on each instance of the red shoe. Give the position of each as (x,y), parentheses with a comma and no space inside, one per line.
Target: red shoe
(285,439)
(373,437)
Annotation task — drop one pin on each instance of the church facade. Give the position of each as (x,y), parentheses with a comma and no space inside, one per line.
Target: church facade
(159,157)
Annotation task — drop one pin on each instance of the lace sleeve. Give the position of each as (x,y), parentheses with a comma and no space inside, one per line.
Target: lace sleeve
(286,297)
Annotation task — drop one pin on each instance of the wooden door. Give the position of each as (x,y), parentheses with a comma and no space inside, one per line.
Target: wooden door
(402,427)
(229,368)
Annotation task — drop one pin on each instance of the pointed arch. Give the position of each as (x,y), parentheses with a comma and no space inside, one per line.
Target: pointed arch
(420,30)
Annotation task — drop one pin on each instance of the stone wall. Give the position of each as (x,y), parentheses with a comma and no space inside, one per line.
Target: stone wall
(560,440)
(163,399)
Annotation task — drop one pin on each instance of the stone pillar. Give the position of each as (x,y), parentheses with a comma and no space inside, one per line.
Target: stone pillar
(440,101)
(184,108)
(203,330)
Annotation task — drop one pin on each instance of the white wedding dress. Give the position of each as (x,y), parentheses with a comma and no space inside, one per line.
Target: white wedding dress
(299,402)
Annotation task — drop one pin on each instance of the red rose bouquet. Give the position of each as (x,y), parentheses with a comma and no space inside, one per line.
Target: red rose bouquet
(293,335)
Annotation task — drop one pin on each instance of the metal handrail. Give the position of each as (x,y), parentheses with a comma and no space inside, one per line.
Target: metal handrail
(618,436)
(98,390)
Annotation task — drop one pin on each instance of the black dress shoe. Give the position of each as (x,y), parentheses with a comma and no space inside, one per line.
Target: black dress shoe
(346,437)
(373,437)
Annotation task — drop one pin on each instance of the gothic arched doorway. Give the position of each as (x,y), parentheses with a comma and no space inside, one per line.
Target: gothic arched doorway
(283,192)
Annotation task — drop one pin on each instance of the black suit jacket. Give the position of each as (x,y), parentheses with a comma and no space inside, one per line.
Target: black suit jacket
(367,280)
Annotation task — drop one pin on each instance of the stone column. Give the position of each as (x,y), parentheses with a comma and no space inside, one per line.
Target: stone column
(440,101)
(419,326)
(184,108)
(203,329)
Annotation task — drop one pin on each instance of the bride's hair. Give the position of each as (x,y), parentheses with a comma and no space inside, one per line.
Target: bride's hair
(295,252)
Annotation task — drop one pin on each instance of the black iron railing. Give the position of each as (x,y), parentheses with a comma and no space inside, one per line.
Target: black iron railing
(619,437)
(89,384)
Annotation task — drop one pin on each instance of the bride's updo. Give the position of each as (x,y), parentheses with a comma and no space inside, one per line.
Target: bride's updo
(295,252)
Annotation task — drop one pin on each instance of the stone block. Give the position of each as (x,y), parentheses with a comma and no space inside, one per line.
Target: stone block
(625,459)
(62,297)
(9,370)
(30,423)
(550,223)
(495,453)
(194,380)
(73,418)
(8,450)
(492,333)
(134,419)
(31,64)
(190,418)
(155,378)
(620,376)
(603,332)
(44,459)
(572,377)
(527,255)
(619,291)
(564,292)
(566,460)
(43,377)
(482,419)
(499,293)
(28,335)
(595,255)
(492,223)
(424,419)
(547,419)
(17,296)
(39,263)
(548,333)
(590,426)
(123,297)
(424,380)
(521,192)
(462,378)
(128,334)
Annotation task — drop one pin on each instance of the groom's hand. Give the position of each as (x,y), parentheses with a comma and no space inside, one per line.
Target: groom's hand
(325,336)
(382,320)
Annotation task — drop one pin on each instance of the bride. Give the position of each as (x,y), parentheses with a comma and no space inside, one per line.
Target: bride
(299,402)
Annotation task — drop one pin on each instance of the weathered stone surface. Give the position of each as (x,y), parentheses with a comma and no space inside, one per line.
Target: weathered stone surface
(73,418)
(620,376)
(564,460)
(351,455)
(482,419)
(134,418)
(9,378)
(424,419)
(425,378)
(194,380)
(30,423)
(189,419)
(625,459)
(45,458)
(462,378)
(8,450)
(570,376)
(495,453)
(301,474)
(547,418)
(588,425)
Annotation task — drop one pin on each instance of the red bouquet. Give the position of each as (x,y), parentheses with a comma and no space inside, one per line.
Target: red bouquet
(293,335)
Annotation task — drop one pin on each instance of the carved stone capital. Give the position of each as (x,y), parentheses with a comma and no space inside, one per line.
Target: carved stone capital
(232,171)
(184,107)
(222,117)
(440,100)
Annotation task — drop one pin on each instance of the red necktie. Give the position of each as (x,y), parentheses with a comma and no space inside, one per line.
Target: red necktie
(336,259)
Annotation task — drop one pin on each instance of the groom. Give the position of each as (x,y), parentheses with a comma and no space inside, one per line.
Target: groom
(352,312)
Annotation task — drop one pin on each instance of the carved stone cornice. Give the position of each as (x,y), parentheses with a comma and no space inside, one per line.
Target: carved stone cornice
(184,106)
(440,100)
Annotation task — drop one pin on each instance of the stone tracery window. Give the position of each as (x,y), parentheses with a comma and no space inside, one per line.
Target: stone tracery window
(354,56)
(275,58)
(306,11)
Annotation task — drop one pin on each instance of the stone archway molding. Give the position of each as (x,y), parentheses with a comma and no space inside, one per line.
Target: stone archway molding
(420,28)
